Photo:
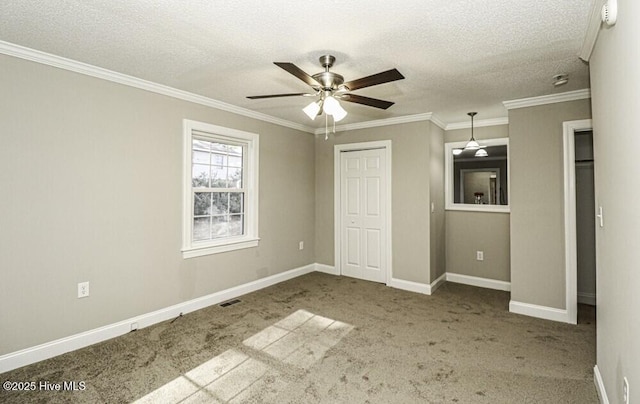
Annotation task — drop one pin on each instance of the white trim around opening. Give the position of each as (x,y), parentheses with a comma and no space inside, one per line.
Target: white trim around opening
(569,129)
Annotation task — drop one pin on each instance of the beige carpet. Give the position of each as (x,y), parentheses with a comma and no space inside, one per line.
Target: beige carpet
(325,339)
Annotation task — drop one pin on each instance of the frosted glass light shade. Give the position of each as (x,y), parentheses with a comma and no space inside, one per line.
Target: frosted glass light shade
(339,113)
(312,110)
(331,105)
(481,153)
(472,145)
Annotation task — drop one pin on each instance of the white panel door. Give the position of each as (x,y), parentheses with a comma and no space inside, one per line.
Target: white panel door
(363,186)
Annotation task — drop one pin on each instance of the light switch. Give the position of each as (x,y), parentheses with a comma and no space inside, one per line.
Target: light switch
(600,216)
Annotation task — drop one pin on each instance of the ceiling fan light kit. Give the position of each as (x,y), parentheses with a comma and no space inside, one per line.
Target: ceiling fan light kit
(331,88)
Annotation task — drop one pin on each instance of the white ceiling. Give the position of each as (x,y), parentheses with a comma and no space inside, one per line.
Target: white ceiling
(456,55)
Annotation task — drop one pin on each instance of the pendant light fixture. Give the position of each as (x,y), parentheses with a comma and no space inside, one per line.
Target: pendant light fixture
(472,144)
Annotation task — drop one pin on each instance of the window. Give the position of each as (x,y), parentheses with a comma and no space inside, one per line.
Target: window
(220,189)
(478,183)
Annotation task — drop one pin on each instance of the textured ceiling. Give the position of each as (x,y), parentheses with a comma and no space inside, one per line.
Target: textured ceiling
(456,55)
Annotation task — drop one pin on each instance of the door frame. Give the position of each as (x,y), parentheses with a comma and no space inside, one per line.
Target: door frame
(337,220)
(569,128)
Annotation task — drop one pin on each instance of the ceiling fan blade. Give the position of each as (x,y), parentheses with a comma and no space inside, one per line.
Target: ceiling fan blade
(375,79)
(372,102)
(256,97)
(299,73)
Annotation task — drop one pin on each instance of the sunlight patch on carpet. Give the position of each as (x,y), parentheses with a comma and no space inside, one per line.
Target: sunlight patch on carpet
(300,339)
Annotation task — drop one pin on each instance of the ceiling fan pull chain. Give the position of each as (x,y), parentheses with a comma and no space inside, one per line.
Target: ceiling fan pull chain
(326,127)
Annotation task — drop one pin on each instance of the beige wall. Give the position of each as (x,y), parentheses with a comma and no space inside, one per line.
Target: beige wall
(468,232)
(537,201)
(615,80)
(91,191)
(410,195)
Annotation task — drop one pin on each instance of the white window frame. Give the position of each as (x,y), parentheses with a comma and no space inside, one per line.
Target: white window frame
(448,179)
(250,143)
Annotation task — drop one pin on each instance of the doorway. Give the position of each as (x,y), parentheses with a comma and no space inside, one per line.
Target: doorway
(585,218)
(571,134)
(362,210)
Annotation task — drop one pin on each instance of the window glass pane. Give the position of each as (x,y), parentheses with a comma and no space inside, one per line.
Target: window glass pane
(220,203)
(201,228)
(200,176)
(201,157)
(235,177)
(219,147)
(220,226)
(236,225)
(218,159)
(235,202)
(202,203)
(218,177)
(235,150)
(235,161)
(201,145)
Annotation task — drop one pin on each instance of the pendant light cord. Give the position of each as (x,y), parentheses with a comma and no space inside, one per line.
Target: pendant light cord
(472,115)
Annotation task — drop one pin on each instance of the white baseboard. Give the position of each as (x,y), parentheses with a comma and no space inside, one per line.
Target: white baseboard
(544,312)
(480,282)
(597,379)
(327,269)
(48,350)
(410,286)
(438,282)
(587,298)
(394,282)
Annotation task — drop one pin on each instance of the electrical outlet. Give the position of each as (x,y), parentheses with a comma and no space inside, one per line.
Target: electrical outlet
(625,391)
(83,289)
(301,245)
(480,255)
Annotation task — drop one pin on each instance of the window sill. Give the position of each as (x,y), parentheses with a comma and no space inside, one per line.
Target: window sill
(209,249)
(479,208)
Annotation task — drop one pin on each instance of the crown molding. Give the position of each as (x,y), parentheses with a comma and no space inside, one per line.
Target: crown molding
(33,55)
(548,99)
(380,122)
(438,122)
(44,58)
(478,124)
(593,28)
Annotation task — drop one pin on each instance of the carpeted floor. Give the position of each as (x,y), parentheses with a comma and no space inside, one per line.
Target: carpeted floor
(325,339)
